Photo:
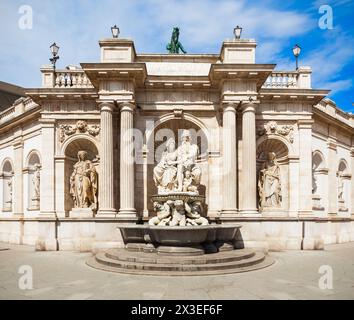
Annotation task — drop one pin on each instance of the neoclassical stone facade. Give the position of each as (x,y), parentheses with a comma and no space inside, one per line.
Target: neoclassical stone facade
(78,154)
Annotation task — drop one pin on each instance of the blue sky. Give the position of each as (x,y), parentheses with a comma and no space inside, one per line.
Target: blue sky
(77,25)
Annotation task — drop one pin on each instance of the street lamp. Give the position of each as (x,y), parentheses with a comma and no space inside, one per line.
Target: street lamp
(54,49)
(115,31)
(296,52)
(237,32)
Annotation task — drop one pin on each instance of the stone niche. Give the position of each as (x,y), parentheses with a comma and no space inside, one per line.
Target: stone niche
(272,176)
(33,181)
(156,143)
(7,182)
(71,158)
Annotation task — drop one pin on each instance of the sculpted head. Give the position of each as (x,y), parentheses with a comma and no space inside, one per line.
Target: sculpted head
(187,174)
(179,204)
(82,155)
(81,125)
(271,157)
(171,145)
(186,136)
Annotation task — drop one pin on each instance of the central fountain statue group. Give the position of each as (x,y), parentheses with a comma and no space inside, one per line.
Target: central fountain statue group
(177,178)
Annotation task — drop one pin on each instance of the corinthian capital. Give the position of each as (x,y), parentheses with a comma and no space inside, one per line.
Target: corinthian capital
(107,106)
(127,106)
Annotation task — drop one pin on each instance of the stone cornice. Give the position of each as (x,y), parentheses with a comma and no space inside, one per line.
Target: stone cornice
(305,123)
(41,95)
(332,144)
(158,57)
(20,119)
(330,119)
(231,72)
(312,96)
(97,72)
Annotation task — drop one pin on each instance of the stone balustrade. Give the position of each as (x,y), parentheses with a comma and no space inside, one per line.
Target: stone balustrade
(71,79)
(19,107)
(299,79)
(282,79)
(66,78)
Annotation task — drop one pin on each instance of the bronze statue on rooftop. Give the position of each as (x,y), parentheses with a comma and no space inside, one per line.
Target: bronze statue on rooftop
(175,46)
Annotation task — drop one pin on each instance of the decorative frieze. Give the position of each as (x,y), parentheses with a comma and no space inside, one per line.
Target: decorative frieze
(80,127)
(272,127)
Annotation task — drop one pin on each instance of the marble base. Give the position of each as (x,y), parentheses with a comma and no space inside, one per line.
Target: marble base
(81,213)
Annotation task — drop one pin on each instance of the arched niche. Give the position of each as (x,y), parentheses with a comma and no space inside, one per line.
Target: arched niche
(171,127)
(7,183)
(343,185)
(319,178)
(272,157)
(70,151)
(33,170)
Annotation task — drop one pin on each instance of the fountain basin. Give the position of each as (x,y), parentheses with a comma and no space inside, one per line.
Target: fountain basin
(188,240)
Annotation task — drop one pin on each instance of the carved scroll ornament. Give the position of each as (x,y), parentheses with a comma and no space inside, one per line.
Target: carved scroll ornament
(80,127)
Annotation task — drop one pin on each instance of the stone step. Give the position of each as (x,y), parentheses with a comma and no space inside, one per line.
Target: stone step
(175,267)
(154,258)
(266,262)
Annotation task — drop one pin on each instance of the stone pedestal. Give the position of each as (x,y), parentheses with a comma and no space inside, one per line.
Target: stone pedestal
(81,213)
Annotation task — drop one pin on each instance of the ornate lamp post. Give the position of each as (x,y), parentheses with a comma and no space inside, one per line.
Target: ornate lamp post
(115,32)
(54,49)
(237,32)
(296,52)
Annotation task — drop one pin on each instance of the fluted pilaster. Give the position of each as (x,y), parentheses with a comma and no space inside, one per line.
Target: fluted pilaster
(106,189)
(127,208)
(229,162)
(249,170)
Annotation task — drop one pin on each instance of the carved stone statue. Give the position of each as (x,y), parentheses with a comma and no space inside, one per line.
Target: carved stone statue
(186,156)
(177,178)
(269,183)
(340,186)
(36,179)
(9,186)
(83,183)
(165,172)
(174,46)
(36,182)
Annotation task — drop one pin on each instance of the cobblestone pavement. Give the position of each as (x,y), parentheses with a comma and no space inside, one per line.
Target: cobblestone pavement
(64,275)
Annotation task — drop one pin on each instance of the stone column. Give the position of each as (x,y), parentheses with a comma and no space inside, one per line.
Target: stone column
(229,192)
(293,186)
(249,165)
(352,181)
(332,176)
(145,178)
(305,167)
(60,186)
(17,197)
(127,209)
(47,186)
(1,192)
(106,181)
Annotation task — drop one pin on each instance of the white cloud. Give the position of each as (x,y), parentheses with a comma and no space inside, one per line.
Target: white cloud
(77,26)
(330,59)
(338,86)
